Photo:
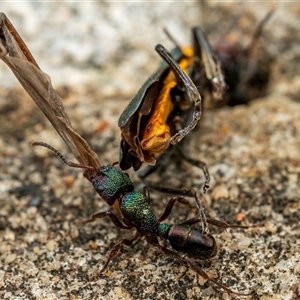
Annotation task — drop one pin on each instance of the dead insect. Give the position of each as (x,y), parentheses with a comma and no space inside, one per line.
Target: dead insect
(111,183)
(161,110)
(161,102)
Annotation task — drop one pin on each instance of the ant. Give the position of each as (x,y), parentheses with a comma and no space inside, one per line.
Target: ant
(188,243)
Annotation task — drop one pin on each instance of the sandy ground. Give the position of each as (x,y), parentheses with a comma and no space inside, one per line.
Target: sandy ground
(98,55)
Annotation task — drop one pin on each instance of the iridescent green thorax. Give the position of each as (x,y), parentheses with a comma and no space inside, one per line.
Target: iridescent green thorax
(135,207)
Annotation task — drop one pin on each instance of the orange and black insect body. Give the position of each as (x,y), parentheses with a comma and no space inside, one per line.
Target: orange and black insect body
(164,110)
(149,124)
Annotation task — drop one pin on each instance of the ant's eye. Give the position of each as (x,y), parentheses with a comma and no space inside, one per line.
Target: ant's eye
(98,187)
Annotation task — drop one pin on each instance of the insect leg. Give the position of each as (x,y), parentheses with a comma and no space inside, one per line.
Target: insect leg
(109,214)
(191,90)
(185,193)
(225,225)
(198,163)
(203,274)
(194,267)
(116,249)
(146,192)
(169,207)
(219,223)
(161,163)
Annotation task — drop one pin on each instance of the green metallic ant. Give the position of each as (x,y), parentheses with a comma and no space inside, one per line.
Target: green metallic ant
(187,242)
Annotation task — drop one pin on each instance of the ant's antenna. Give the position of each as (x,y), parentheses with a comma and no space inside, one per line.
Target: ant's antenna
(69,163)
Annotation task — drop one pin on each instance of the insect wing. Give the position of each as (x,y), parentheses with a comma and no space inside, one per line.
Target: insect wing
(16,55)
(130,123)
(145,92)
(212,66)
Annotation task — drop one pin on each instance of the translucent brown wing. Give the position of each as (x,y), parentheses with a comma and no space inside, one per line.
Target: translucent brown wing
(16,55)
(211,63)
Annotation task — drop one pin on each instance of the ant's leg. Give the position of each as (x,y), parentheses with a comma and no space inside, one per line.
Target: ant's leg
(225,225)
(198,163)
(186,193)
(109,214)
(146,193)
(182,192)
(194,267)
(169,207)
(219,223)
(116,249)
(161,163)
(192,221)
(203,274)
(192,192)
